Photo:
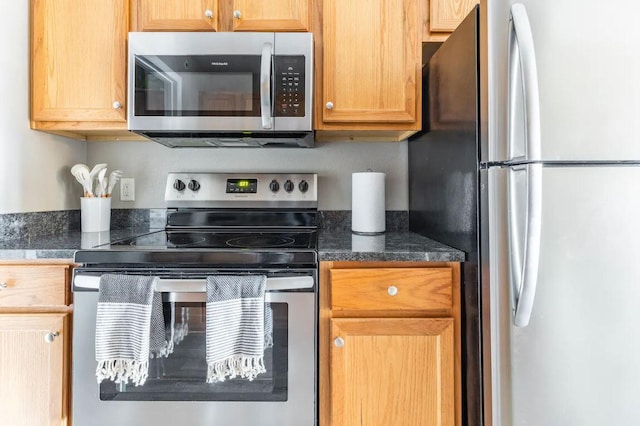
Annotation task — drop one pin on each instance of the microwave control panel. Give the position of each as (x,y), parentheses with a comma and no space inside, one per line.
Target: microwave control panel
(289,80)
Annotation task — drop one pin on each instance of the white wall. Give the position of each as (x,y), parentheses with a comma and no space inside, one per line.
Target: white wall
(34,166)
(149,162)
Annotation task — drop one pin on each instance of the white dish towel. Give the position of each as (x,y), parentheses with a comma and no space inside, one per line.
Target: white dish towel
(129,328)
(235,326)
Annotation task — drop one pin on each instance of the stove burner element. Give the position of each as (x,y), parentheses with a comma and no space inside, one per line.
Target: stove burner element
(260,241)
(185,240)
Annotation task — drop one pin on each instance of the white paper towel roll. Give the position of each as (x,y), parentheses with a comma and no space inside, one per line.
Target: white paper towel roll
(367,203)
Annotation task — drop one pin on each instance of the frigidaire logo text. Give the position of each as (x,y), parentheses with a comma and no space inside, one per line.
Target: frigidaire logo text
(220,64)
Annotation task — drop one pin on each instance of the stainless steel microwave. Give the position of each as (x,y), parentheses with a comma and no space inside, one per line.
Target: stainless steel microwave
(192,89)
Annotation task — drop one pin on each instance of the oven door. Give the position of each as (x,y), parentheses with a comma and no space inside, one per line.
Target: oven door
(176,391)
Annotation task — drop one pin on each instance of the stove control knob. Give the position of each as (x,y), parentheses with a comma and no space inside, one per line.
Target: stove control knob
(179,185)
(288,186)
(274,186)
(194,185)
(303,186)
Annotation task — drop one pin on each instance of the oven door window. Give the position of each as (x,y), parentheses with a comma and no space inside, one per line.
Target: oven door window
(181,376)
(204,85)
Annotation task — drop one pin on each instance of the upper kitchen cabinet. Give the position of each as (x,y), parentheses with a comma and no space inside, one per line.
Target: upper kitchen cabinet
(78,67)
(368,69)
(441,17)
(177,15)
(273,15)
(220,15)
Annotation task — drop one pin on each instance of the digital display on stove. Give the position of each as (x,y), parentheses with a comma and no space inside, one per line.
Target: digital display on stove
(242,186)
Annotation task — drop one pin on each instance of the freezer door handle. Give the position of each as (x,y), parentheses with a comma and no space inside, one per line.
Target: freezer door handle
(522,69)
(525,222)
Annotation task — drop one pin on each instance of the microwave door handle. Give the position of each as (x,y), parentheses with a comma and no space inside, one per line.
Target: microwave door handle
(265,85)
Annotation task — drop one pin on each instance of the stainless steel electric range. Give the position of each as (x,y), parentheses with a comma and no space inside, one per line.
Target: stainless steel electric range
(216,224)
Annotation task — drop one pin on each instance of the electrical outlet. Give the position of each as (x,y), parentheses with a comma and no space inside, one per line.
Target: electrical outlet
(127,189)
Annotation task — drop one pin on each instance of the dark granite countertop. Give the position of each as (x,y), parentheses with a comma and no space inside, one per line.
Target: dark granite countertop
(342,245)
(56,235)
(336,245)
(62,245)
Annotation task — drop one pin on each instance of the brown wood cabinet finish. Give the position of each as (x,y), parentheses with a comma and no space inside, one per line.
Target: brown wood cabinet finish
(392,372)
(273,15)
(183,15)
(78,66)
(391,289)
(220,15)
(397,364)
(33,389)
(22,285)
(442,17)
(34,343)
(368,68)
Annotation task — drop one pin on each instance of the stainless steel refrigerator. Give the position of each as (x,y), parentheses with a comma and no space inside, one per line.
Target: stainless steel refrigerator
(529,161)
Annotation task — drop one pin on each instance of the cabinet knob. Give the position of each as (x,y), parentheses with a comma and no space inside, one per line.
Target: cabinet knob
(237,14)
(3,286)
(51,336)
(339,342)
(208,13)
(392,290)
(117,105)
(329,105)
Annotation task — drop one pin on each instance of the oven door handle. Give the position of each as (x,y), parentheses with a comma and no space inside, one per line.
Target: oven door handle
(168,285)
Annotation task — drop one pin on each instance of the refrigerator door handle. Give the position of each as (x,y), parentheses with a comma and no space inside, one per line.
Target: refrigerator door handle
(525,218)
(522,68)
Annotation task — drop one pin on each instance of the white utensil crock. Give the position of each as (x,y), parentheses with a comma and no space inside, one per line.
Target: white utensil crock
(95,214)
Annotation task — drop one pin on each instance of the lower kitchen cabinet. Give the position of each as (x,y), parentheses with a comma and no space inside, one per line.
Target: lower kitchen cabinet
(389,344)
(392,371)
(34,343)
(33,369)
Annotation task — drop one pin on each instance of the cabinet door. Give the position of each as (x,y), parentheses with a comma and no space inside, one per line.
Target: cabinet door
(392,372)
(176,15)
(273,15)
(32,369)
(446,15)
(79,53)
(371,61)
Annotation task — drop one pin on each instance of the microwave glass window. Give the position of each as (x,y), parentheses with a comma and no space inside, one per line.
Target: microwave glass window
(197,85)
(219,92)
(181,376)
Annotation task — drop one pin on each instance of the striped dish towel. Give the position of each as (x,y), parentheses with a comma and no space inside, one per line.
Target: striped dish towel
(268,326)
(129,328)
(235,326)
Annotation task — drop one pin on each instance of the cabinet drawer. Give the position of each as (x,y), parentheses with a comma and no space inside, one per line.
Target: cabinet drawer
(392,289)
(33,285)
